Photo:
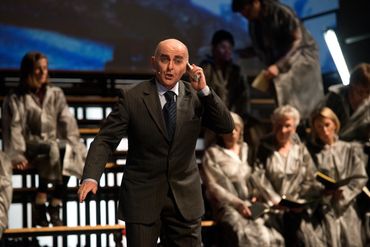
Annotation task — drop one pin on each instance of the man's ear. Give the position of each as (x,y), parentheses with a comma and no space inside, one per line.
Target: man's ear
(153,62)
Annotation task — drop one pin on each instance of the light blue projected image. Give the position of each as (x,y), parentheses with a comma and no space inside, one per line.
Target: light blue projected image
(63,52)
(307,8)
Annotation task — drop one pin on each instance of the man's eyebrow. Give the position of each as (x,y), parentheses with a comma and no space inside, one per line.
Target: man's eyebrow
(163,56)
(166,56)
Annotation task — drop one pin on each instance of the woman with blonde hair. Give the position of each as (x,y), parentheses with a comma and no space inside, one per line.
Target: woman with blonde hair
(225,172)
(338,160)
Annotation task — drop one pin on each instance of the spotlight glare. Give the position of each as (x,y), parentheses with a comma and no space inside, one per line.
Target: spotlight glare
(337,55)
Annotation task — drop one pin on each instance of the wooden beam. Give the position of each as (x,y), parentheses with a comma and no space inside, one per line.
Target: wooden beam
(72,230)
(61,230)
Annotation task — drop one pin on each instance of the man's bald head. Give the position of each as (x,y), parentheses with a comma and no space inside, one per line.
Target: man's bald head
(172,44)
(169,61)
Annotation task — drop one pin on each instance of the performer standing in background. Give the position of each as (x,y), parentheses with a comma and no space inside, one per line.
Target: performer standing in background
(162,118)
(40,131)
(288,51)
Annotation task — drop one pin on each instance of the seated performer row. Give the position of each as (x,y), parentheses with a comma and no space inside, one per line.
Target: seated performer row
(285,168)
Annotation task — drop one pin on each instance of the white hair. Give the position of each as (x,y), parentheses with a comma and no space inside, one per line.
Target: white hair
(286,111)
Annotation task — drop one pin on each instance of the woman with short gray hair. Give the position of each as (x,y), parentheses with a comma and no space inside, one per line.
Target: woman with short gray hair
(286,111)
(284,168)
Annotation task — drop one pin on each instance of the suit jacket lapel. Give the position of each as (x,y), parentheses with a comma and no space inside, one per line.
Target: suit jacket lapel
(182,106)
(152,103)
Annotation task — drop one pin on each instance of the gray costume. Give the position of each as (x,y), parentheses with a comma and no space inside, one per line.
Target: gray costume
(299,82)
(339,161)
(354,125)
(35,133)
(292,175)
(6,190)
(226,175)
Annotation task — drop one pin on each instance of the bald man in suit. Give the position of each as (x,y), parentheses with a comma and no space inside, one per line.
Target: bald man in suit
(160,190)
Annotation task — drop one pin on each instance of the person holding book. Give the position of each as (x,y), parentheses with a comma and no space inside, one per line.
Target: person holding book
(284,172)
(288,51)
(351,104)
(225,173)
(338,161)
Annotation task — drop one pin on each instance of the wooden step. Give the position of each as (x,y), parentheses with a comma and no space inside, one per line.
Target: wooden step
(61,230)
(73,230)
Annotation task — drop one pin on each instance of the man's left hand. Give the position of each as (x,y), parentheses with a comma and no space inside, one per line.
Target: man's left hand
(201,83)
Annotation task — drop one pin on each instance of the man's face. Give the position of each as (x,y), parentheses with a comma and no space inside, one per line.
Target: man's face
(252,10)
(357,94)
(169,62)
(223,51)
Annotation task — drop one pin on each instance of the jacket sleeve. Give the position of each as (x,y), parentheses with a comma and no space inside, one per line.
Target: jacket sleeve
(357,164)
(216,116)
(67,128)
(67,124)
(5,188)
(289,21)
(114,128)
(13,133)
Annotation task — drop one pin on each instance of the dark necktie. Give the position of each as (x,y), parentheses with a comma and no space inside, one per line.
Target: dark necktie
(169,112)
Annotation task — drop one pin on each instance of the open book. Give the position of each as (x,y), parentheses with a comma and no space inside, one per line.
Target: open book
(261,83)
(293,203)
(258,209)
(332,184)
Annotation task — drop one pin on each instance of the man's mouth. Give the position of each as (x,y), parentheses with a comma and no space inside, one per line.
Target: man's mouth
(168,76)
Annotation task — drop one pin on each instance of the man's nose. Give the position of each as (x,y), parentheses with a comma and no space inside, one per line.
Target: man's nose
(170,65)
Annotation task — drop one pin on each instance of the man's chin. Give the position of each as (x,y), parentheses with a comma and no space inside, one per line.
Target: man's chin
(169,83)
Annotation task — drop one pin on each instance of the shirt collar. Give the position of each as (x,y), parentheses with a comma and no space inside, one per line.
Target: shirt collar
(161,89)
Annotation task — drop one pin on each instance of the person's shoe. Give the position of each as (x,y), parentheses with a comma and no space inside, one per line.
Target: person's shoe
(54,212)
(39,215)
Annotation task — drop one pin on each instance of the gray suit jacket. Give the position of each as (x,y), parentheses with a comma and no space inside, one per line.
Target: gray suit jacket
(154,164)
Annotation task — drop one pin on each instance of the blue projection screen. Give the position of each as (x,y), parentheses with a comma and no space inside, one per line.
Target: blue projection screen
(121,35)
